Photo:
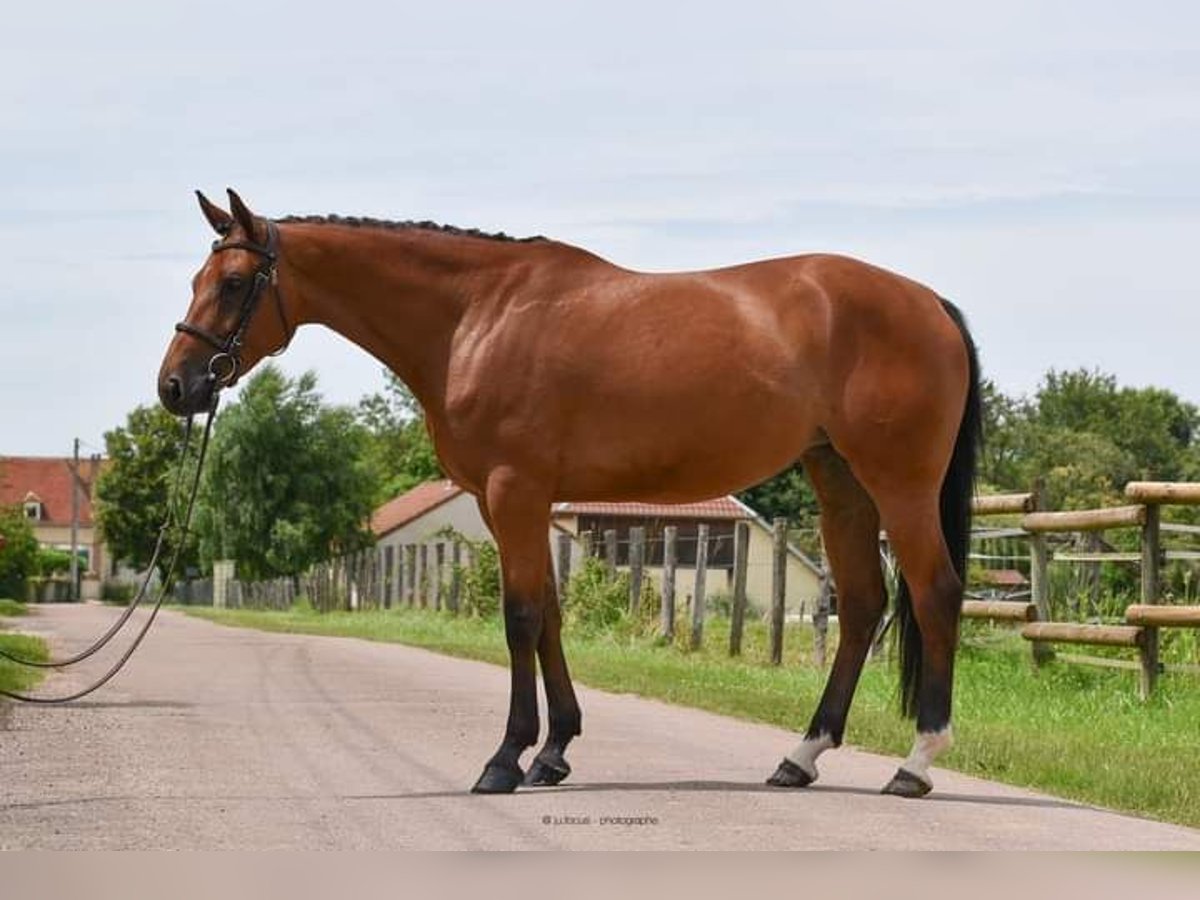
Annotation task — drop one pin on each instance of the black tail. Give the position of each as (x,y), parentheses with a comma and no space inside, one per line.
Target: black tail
(957,491)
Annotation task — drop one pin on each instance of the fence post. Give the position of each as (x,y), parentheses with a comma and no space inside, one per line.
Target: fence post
(637,555)
(439,569)
(610,552)
(670,535)
(1151,560)
(389,574)
(564,564)
(410,574)
(698,593)
(1039,591)
(455,576)
(741,550)
(821,619)
(423,582)
(778,590)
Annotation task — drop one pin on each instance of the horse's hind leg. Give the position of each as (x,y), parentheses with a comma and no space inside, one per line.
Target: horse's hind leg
(550,765)
(915,531)
(850,528)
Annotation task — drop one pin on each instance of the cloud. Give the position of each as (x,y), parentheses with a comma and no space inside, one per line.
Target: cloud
(1037,162)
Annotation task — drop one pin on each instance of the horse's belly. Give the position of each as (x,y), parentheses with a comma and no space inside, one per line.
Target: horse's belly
(683,455)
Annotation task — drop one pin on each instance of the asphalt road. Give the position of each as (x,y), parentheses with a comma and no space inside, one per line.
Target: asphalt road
(218,738)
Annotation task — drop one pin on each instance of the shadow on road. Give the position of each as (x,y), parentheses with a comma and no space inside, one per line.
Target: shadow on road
(736,787)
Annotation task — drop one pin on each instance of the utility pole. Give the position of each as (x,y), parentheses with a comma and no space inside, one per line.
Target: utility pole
(75,523)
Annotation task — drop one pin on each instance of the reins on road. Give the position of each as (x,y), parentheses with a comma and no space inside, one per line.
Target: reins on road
(101,641)
(162,593)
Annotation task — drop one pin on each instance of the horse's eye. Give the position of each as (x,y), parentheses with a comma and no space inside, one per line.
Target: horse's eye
(232,285)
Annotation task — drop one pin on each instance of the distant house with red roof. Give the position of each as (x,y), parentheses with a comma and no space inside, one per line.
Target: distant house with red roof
(41,487)
(421,515)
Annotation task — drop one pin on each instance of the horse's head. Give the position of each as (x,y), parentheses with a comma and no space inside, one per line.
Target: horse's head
(226,330)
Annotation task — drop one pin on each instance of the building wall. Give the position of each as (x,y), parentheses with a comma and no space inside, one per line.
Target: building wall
(87,536)
(460,513)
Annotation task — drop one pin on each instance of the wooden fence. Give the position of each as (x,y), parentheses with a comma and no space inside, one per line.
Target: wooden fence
(1143,620)
(429,575)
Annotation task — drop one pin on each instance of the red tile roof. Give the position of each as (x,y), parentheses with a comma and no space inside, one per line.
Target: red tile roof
(48,479)
(717,508)
(412,505)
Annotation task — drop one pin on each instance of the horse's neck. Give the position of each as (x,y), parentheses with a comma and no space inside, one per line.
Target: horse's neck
(399,294)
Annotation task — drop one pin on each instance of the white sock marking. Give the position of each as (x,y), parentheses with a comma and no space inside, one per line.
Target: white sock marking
(926,748)
(806,753)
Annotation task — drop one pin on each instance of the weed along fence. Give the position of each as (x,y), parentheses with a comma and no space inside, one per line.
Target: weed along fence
(695,607)
(1142,621)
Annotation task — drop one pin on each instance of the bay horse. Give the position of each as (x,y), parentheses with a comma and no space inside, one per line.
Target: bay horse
(547,373)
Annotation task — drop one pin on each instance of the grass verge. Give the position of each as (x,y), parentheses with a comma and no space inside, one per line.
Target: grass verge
(1071,731)
(12,608)
(15,677)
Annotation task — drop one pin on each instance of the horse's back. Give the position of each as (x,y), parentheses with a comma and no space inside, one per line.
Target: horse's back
(684,385)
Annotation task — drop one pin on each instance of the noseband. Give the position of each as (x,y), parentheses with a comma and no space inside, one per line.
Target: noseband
(226,363)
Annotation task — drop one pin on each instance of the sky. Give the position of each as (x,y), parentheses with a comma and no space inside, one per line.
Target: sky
(1038,163)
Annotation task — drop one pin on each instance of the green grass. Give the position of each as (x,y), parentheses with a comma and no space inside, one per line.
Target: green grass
(11,608)
(1071,731)
(14,677)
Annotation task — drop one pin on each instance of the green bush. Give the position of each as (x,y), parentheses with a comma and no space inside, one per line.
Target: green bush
(52,562)
(597,604)
(19,553)
(10,608)
(481,588)
(119,593)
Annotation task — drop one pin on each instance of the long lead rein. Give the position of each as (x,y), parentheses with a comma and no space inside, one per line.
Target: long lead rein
(120,663)
(100,642)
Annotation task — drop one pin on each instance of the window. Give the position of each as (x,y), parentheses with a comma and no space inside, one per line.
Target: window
(33,510)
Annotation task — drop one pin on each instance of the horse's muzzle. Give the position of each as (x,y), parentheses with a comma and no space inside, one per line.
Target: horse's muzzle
(184,393)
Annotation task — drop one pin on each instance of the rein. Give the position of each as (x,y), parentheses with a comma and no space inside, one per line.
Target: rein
(162,593)
(141,592)
(223,369)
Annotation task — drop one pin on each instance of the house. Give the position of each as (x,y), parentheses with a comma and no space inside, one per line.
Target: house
(802,581)
(422,516)
(42,486)
(419,515)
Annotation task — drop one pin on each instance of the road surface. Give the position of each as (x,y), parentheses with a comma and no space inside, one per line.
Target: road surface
(217,738)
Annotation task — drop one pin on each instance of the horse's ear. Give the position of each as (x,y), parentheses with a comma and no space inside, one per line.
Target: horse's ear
(242,214)
(221,221)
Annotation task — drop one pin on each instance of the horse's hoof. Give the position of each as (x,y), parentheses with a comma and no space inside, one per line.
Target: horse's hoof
(906,784)
(497,780)
(790,775)
(547,772)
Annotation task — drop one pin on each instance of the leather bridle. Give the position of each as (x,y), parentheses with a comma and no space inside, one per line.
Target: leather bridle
(225,365)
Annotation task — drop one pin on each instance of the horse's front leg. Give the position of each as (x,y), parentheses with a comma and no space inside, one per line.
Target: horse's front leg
(550,765)
(519,516)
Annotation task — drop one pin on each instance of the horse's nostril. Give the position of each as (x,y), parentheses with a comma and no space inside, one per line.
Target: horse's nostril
(175,387)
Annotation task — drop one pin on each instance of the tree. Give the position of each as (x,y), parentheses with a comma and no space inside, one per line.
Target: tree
(133,490)
(399,449)
(287,483)
(786,495)
(18,552)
